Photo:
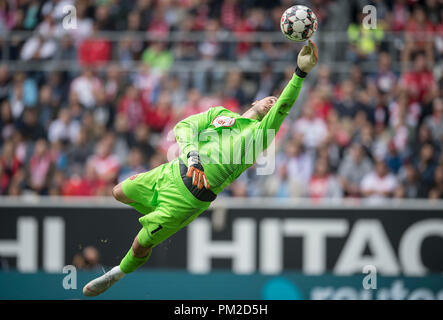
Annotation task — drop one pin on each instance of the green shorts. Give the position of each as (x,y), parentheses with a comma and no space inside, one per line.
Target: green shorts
(166,203)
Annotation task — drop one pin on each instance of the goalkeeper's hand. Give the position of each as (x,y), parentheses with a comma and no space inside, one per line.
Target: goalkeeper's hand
(307,59)
(196,171)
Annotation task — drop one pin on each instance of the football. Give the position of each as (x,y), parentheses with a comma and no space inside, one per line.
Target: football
(298,23)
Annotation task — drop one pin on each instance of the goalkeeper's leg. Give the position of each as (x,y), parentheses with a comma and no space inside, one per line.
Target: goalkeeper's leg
(158,221)
(137,255)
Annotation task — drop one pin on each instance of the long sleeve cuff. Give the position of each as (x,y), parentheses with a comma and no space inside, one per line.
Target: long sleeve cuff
(297,80)
(300,73)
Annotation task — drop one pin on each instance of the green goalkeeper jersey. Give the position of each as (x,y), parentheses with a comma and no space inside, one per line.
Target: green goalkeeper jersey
(228,144)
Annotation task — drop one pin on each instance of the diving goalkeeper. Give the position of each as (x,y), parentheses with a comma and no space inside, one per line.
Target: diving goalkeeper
(216,147)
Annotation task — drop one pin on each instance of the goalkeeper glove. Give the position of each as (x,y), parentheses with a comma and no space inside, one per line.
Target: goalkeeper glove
(307,59)
(196,171)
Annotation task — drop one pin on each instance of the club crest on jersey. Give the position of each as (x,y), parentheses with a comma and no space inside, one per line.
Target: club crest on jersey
(223,121)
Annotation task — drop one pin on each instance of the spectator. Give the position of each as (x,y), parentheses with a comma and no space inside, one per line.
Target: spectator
(104,161)
(84,23)
(40,168)
(143,142)
(299,167)
(313,130)
(67,49)
(134,165)
(94,51)
(29,126)
(42,45)
(339,130)
(209,49)
(79,151)
(239,189)
(47,106)
(230,14)
(115,83)
(6,16)
(425,164)
(63,128)
(410,182)
(193,103)
(77,185)
(393,160)
(234,91)
(401,111)
(85,88)
(58,155)
(266,82)
(355,166)
(158,116)
(103,18)
(385,79)
(400,15)
(363,41)
(24,94)
(346,106)
(322,183)
(56,183)
(436,190)
(419,83)
(279,185)
(87,260)
(133,106)
(7,126)
(17,25)
(424,136)
(186,49)
(378,184)
(9,166)
(55,8)
(435,121)
(416,37)
(158,57)
(5,82)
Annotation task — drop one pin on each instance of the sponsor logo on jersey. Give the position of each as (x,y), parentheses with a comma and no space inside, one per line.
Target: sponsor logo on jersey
(223,121)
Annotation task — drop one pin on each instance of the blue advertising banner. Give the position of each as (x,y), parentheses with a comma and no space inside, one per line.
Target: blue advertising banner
(159,285)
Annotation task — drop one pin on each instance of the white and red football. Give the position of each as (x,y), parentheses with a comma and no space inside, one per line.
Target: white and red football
(298,23)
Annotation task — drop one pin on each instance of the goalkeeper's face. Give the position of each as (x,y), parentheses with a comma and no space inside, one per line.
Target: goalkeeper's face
(260,108)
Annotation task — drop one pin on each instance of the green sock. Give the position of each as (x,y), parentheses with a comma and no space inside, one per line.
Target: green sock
(130,263)
(143,238)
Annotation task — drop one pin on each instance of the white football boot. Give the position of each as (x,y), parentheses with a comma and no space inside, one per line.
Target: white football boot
(103,283)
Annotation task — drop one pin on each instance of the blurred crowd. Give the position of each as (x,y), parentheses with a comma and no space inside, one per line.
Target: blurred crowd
(88,258)
(374,134)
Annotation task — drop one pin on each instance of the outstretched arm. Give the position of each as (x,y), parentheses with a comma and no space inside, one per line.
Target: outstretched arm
(275,117)
(306,60)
